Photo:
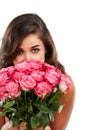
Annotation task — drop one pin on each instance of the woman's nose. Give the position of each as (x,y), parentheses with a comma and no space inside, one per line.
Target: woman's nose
(27,56)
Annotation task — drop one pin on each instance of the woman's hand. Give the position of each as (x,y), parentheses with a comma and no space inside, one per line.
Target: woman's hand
(21,126)
(12,128)
(8,126)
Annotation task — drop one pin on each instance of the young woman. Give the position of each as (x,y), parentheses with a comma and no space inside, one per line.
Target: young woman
(27,37)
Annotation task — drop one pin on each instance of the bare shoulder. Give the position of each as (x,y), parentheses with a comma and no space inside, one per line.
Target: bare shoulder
(2,120)
(71,92)
(62,119)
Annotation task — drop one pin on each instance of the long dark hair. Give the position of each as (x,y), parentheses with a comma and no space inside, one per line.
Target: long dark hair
(17,30)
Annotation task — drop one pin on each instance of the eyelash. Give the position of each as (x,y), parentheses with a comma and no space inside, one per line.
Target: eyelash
(19,52)
(35,50)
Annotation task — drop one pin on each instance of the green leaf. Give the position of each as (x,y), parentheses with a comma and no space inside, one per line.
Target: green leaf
(1,103)
(55,105)
(30,108)
(55,97)
(8,111)
(51,116)
(60,108)
(12,109)
(28,125)
(15,121)
(9,104)
(38,115)
(2,113)
(21,112)
(44,108)
(35,122)
(44,120)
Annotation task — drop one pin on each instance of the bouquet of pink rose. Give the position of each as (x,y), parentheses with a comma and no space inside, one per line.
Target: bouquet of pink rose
(31,92)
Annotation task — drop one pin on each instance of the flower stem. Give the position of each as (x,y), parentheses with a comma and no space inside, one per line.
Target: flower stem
(53,98)
(25,98)
(37,99)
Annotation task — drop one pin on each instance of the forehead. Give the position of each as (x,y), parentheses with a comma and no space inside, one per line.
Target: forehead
(31,40)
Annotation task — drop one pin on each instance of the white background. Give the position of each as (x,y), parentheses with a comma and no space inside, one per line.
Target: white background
(67,22)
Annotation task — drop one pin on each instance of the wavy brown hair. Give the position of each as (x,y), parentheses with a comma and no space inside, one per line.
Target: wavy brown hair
(17,30)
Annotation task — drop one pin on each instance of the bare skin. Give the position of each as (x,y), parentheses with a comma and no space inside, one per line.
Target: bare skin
(2,120)
(62,119)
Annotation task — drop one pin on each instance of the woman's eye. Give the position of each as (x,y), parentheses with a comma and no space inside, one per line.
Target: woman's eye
(35,50)
(19,52)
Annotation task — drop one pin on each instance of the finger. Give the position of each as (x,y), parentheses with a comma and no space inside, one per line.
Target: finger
(47,128)
(22,124)
(12,128)
(40,128)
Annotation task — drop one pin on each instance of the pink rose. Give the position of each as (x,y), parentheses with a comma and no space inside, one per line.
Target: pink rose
(3,76)
(23,67)
(2,92)
(6,74)
(37,75)
(10,70)
(35,64)
(65,83)
(27,82)
(63,87)
(13,89)
(17,76)
(47,66)
(42,89)
(28,66)
(52,76)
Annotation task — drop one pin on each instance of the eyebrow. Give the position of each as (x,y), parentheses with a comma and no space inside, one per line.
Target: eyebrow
(31,47)
(35,46)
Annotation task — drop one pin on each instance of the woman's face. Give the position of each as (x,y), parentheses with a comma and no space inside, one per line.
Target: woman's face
(31,48)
